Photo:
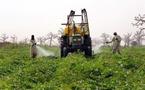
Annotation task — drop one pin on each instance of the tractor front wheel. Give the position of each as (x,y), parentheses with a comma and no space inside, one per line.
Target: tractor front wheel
(88,52)
(64,52)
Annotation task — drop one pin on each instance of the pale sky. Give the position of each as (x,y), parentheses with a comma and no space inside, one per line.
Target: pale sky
(39,17)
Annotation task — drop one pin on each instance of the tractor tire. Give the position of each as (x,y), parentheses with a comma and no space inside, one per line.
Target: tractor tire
(64,44)
(87,40)
(64,52)
(88,52)
(87,44)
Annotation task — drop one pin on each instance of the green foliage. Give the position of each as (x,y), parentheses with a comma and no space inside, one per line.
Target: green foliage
(104,71)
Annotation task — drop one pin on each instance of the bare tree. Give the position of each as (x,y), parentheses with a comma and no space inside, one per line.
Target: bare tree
(51,37)
(4,37)
(42,40)
(60,32)
(139,21)
(127,39)
(14,39)
(26,41)
(139,36)
(105,38)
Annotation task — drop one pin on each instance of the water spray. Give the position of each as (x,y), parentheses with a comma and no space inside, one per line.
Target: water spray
(42,52)
(97,49)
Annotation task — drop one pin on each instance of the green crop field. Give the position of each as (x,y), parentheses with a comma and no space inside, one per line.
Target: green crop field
(104,71)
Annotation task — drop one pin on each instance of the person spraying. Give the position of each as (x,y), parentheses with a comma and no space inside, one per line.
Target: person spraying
(116,43)
(33,47)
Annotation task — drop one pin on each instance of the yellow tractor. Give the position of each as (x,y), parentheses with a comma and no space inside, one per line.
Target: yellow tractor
(76,36)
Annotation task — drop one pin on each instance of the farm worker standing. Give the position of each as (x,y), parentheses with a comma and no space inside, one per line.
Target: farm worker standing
(33,47)
(116,43)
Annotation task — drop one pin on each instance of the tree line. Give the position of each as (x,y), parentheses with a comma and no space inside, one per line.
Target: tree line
(49,39)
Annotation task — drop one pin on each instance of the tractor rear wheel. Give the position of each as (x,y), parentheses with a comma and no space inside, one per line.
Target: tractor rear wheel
(87,44)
